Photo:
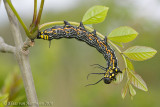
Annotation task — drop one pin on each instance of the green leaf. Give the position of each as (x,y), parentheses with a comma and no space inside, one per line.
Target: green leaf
(13,85)
(95,15)
(123,34)
(119,77)
(124,90)
(132,90)
(3,97)
(3,100)
(137,81)
(90,25)
(2,105)
(20,98)
(139,53)
(118,43)
(129,64)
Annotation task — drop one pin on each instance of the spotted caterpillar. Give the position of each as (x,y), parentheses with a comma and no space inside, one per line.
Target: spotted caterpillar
(81,34)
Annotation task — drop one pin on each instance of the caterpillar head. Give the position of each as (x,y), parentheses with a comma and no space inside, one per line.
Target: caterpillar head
(107,80)
(109,75)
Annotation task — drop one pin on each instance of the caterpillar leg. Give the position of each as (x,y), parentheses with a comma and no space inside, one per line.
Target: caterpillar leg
(49,43)
(94,73)
(95,83)
(99,66)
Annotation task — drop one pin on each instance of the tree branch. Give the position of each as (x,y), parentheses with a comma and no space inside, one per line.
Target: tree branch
(22,59)
(5,47)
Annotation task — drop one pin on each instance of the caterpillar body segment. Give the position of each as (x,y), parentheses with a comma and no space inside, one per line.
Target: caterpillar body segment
(91,38)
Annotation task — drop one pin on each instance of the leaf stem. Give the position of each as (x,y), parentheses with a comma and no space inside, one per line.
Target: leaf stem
(115,46)
(40,13)
(18,17)
(34,17)
(35,12)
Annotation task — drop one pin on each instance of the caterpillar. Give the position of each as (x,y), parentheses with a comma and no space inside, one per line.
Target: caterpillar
(91,38)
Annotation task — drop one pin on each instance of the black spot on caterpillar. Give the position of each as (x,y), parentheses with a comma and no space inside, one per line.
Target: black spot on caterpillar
(91,38)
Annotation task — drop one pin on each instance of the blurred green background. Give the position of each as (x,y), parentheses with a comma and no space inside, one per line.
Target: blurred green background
(60,71)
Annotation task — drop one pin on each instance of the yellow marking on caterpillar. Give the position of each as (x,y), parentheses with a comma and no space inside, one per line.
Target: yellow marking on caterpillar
(104,45)
(111,57)
(49,31)
(112,75)
(89,36)
(46,37)
(58,29)
(98,42)
(41,36)
(65,28)
(108,51)
(73,28)
(67,31)
(116,69)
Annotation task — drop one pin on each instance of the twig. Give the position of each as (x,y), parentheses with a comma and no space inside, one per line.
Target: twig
(5,47)
(40,13)
(18,17)
(22,59)
(28,43)
(35,12)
